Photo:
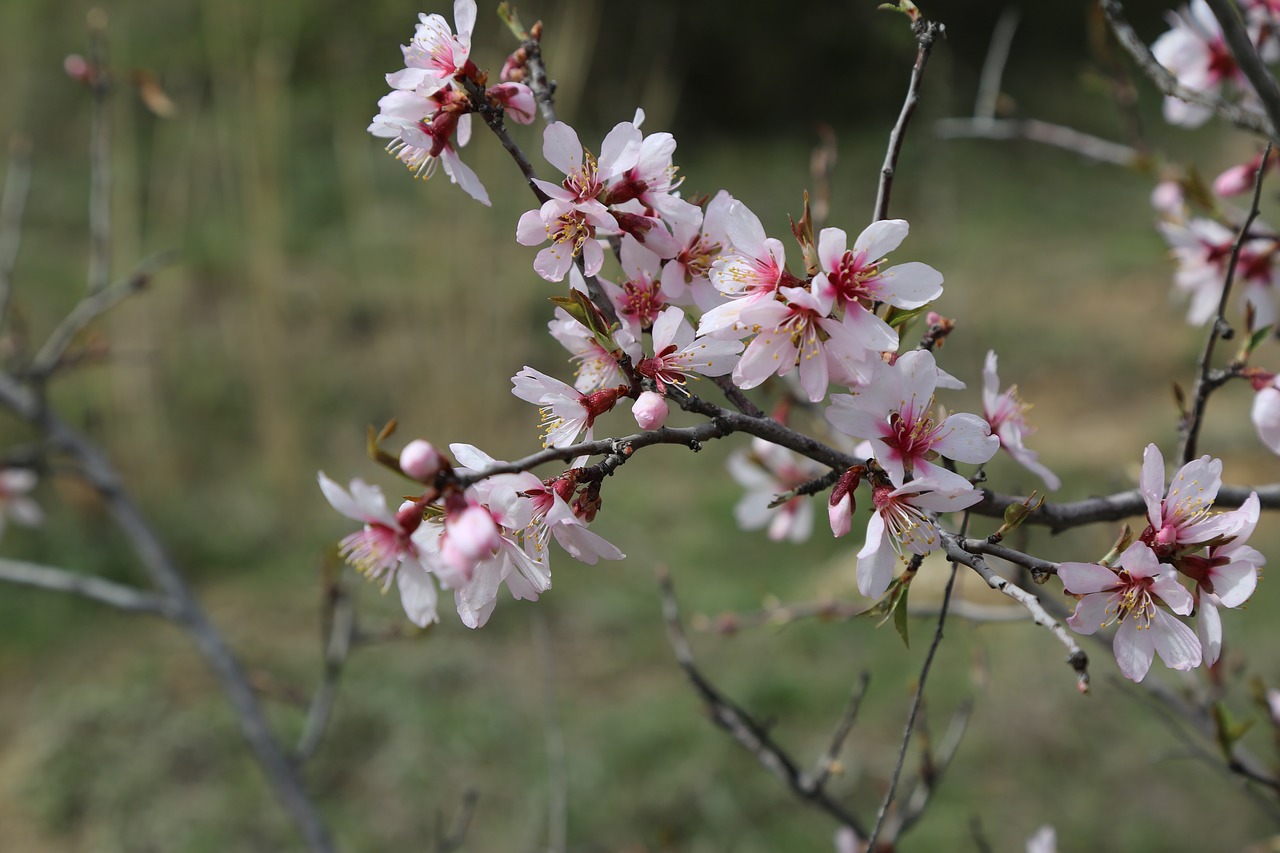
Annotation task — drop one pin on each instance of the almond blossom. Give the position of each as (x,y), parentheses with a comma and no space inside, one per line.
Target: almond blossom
(1225,577)
(15,500)
(902,521)
(596,366)
(699,240)
(1266,411)
(1132,597)
(748,274)
(423,129)
(1007,416)
(389,547)
(678,354)
(639,298)
(854,279)
(573,212)
(1202,250)
(436,54)
(1180,521)
(895,412)
(566,411)
(766,471)
(1194,52)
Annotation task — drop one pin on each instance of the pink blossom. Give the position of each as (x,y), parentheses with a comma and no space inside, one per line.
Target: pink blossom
(653,180)
(1202,250)
(699,240)
(1266,413)
(1169,200)
(650,410)
(1240,179)
(15,500)
(678,354)
(596,367)
(854,279)
(766,471)
(840,504)
(566,411)
(638,299)
(517,100)
(389,547)
(748,274)
(1007,416)
(1181,521)
(1131,597)
(436,54)
(422,129)
(895,412)
(1225,577)
(902,521)
(1194,51)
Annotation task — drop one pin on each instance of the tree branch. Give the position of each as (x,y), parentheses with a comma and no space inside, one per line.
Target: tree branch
(926,33)
(13,202)
(1246,55)
(97,589)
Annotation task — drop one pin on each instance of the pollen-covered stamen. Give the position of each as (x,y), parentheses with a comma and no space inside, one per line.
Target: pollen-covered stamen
(375,551)
(1010,409)
(1131,601)
(642,299)
(855,279)
(584,181)
(910,527)
(572,228)
(912,437)
(697,259)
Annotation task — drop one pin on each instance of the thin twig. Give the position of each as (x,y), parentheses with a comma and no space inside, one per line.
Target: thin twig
(1219,326)
(1059,136)
(993,67)
(13,202)
(1076,657)
(461,823)
(338,643)
(99,275)
(1241,117)
(747,731)
(993,549)
(926,33)
(830,759)
(922,792)
(94,588)
(913,714)
(557,754)
(94,304)
(1246,56)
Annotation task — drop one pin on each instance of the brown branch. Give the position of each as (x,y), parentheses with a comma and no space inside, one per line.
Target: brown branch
(1058,136)
(816,780)
(1065,516)
(926,33)
(99,275)
(1219,327)
(748,732)
(338,642)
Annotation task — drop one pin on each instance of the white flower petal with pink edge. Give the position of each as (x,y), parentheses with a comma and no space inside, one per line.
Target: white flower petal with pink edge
(1266,417)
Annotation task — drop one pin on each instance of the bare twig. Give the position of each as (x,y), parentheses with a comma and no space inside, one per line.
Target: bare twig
(916,701)
(94,588)
(341,622)
(97,471)
(926,33)
(1219,326)
(1076,657)
(988,99)
(447,843)
(1241,117)
(13,202)
(99,154)
(557,754)
(829,760)
(96,303)
(1059,136)
(748,732)
(1065,516)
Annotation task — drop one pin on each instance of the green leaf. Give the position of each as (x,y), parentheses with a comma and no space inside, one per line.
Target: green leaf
(900,614)
(1256,339)
(898,319)
(894,606)
(581,308)
(1227,729)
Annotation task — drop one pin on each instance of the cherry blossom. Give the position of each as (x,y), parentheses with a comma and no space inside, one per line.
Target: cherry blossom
(766,471)
(895,412)
(1131,597)
(1007,416)
(901,521)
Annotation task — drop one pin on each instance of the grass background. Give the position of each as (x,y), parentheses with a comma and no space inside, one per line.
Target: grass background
(321,290)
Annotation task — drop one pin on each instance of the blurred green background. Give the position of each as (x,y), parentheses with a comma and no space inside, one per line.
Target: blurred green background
(321,290)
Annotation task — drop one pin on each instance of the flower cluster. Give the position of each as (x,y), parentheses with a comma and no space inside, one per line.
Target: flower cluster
(1183,537)
(471,540)
(427,114)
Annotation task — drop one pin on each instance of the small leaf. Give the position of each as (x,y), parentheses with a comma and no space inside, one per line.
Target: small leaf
(1228,731)
(581,308)
(1256,339)
(900,614)
(898,318)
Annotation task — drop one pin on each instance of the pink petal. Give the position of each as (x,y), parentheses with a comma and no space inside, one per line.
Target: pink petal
(966,438)
(910,285)
(1209,629)
(1174,641)
(1133,649)
(881,238)
(1151,483)
(561,147)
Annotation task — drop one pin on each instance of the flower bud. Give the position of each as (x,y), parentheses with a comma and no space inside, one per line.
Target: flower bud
(650,410)
(421,461)
(1167,198)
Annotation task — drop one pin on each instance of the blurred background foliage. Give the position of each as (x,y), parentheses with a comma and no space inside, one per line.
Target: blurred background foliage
(321,290)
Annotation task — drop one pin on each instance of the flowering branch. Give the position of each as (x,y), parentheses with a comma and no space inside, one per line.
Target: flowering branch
(1242,48)
(1219,327)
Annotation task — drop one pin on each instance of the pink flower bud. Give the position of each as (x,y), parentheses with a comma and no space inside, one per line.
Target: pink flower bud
(470,536)
(420,461)
(1166,198)
(840,514)
(78,68)
(1236,180)
(650,410)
